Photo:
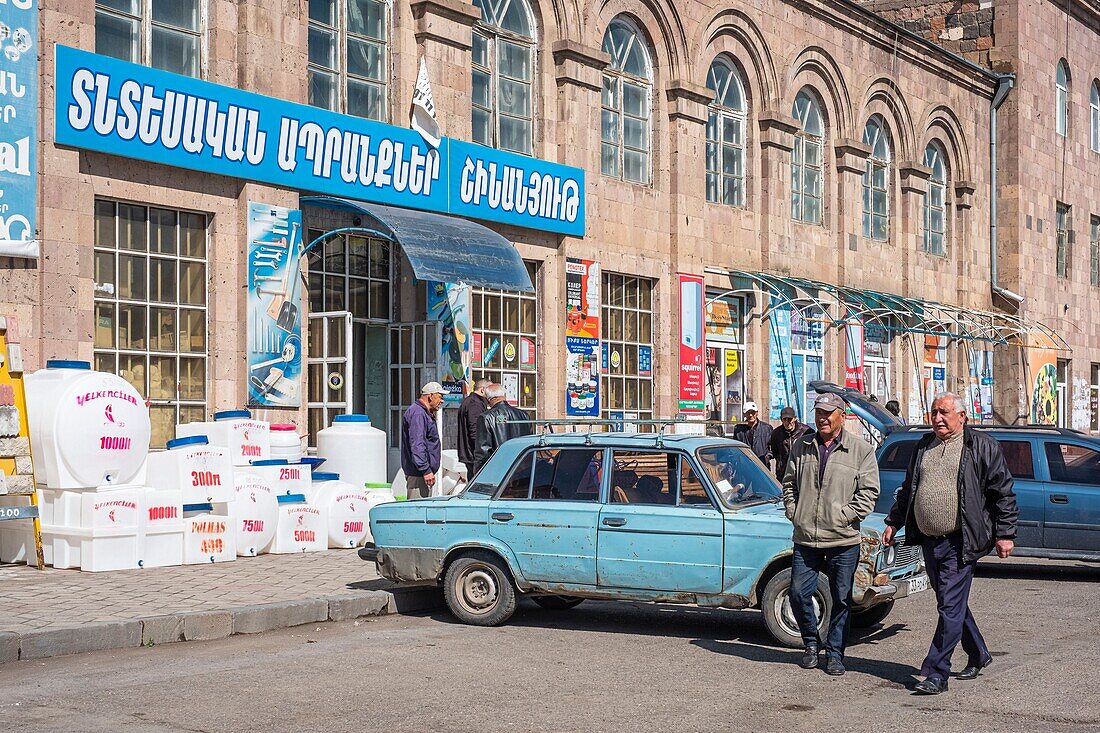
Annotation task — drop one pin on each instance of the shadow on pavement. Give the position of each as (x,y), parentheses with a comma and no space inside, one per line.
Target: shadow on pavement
(900,674)
(373,584)
(1036,569)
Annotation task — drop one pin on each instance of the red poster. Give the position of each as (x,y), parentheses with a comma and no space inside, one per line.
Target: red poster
(691,349)
(475,350)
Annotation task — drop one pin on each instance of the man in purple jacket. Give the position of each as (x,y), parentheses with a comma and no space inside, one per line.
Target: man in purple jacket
(421,450)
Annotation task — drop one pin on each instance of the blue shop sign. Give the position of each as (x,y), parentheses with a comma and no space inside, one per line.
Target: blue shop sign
(18,127)
(137,112)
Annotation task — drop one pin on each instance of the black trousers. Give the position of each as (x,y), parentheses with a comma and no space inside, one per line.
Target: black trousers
(951,579)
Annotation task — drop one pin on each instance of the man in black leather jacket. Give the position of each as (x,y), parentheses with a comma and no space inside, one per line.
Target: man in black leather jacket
(498,424)
(957,503)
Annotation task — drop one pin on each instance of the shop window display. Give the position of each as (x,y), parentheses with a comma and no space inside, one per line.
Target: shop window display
(505,341)
(627,347)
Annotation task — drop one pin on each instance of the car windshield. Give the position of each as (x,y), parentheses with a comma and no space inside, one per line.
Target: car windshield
(738,476)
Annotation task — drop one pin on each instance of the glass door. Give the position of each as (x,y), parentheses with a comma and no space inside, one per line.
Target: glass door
(414,361)
(331,389)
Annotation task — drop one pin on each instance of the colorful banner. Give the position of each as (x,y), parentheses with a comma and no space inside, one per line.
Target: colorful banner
(138,112)
(19,128)
(645,361)
(779,359)
(1042,362)
(449,303)
(723,320)
(980,402)
(582,338)
(934,372)
(274,306)
(692,370)
(854,356)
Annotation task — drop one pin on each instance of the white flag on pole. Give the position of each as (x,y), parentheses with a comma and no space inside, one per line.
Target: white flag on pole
(423,108)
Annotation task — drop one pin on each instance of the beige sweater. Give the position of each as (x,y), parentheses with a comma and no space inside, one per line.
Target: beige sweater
(936,505)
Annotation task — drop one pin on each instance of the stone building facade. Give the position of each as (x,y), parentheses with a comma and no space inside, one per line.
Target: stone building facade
(900,207)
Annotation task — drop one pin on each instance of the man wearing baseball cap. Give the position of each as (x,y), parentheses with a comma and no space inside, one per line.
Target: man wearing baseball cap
(421,450)
(784,437)
(755,433)
(830,485)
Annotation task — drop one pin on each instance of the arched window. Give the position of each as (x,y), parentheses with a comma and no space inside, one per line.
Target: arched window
(1061,114)
(349,56)
(1094,116)
(876,182)
(625,114)
(503,66)
(726,135)
(935,202)
(807,170)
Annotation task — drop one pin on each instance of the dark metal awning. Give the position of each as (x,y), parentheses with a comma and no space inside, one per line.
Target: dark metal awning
(837,305)
(439,247)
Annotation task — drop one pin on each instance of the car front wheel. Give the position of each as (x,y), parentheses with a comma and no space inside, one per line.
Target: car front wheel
(479,591)
(779,617)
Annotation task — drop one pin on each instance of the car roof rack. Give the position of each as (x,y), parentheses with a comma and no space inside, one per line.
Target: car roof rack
(546,427)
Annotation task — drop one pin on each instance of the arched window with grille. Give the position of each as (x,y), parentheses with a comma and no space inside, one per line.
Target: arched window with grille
(503,68)
(876,182)
(807,168)
(1061,99)
(625,120)
(726,135)
(935,202)
(1094,117)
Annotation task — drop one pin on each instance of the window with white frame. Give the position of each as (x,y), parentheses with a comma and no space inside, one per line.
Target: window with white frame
(625,102)
(876,182)
(1061,99)
(1094,117)
(726,135)
(1094,251)
(150,308)
(935,202)
(505,341)
(807,169)
(162,34)
(349,56)
(350,272)
(503,66)
(628,344)
(1063,225)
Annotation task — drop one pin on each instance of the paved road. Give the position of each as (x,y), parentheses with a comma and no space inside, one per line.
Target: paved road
(601,666)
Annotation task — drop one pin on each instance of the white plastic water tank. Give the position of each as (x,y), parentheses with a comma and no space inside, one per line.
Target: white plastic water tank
(202,472)
(348,509)
(161,531)
(254,512)
(301,527)
(354,449)
(246,439)
(207,537)
(286,442)
(282,476)
(88,429)
(104,536)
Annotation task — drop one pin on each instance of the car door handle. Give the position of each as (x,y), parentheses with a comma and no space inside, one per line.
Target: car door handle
(1059,499)
(614,522)
(503,516)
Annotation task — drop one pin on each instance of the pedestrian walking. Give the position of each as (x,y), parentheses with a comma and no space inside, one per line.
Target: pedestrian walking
(499,423)
(469,411)
(783,437)
(755,433)
(830,486)
(421,450)
(957,503)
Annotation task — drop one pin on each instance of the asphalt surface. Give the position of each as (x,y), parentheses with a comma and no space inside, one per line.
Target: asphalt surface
(599,667)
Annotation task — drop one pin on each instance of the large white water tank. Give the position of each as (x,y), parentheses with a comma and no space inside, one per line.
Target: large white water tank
(354,449)
(88,429)
(255,511)
(348,509)
(300,528)
(246,439)
(202,472)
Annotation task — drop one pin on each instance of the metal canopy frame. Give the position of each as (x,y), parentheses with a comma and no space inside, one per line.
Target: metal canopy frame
(897,313)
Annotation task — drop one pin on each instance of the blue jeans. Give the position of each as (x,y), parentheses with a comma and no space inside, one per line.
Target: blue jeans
(839,564)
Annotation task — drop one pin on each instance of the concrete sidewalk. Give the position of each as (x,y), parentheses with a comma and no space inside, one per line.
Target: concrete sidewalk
(53,612)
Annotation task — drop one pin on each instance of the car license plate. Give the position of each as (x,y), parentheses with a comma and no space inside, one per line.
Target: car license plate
(917,584)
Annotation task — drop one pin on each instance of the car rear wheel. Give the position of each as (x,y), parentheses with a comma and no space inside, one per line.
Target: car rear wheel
(557,603)
(479,591)
(779,617)
(871,616)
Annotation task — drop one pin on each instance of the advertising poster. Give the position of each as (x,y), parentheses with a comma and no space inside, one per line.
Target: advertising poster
(934,373)
(723,320)
(582,338)
(692,371)
(645,361)
(19,128)
(980,399)
(734,384)
(1042,364)
(526,354)
(779,358)
(854,375)
(274,306)
(449,303)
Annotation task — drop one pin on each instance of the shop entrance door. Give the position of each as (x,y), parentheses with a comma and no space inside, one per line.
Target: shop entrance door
(725,383)
(877,380)
(331,388)
(414,360)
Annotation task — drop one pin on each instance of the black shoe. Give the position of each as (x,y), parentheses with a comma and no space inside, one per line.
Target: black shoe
(931,686)
(971,671)
(834,666)
(809,658)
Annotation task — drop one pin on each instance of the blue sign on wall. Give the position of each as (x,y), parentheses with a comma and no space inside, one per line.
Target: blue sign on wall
(18,127)
(134,111)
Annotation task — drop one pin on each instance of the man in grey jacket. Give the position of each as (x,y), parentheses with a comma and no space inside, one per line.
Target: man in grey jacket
(830,486)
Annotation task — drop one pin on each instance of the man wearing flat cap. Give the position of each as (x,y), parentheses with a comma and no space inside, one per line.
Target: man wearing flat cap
(830,485)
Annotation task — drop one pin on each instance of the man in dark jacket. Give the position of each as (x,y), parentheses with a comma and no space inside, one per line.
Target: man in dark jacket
(468,413)
(784,437)
(498,424)
(421,450)
(755,433)
(957,502)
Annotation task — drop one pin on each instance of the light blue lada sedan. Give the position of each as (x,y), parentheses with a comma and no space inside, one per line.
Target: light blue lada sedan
(563,517)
